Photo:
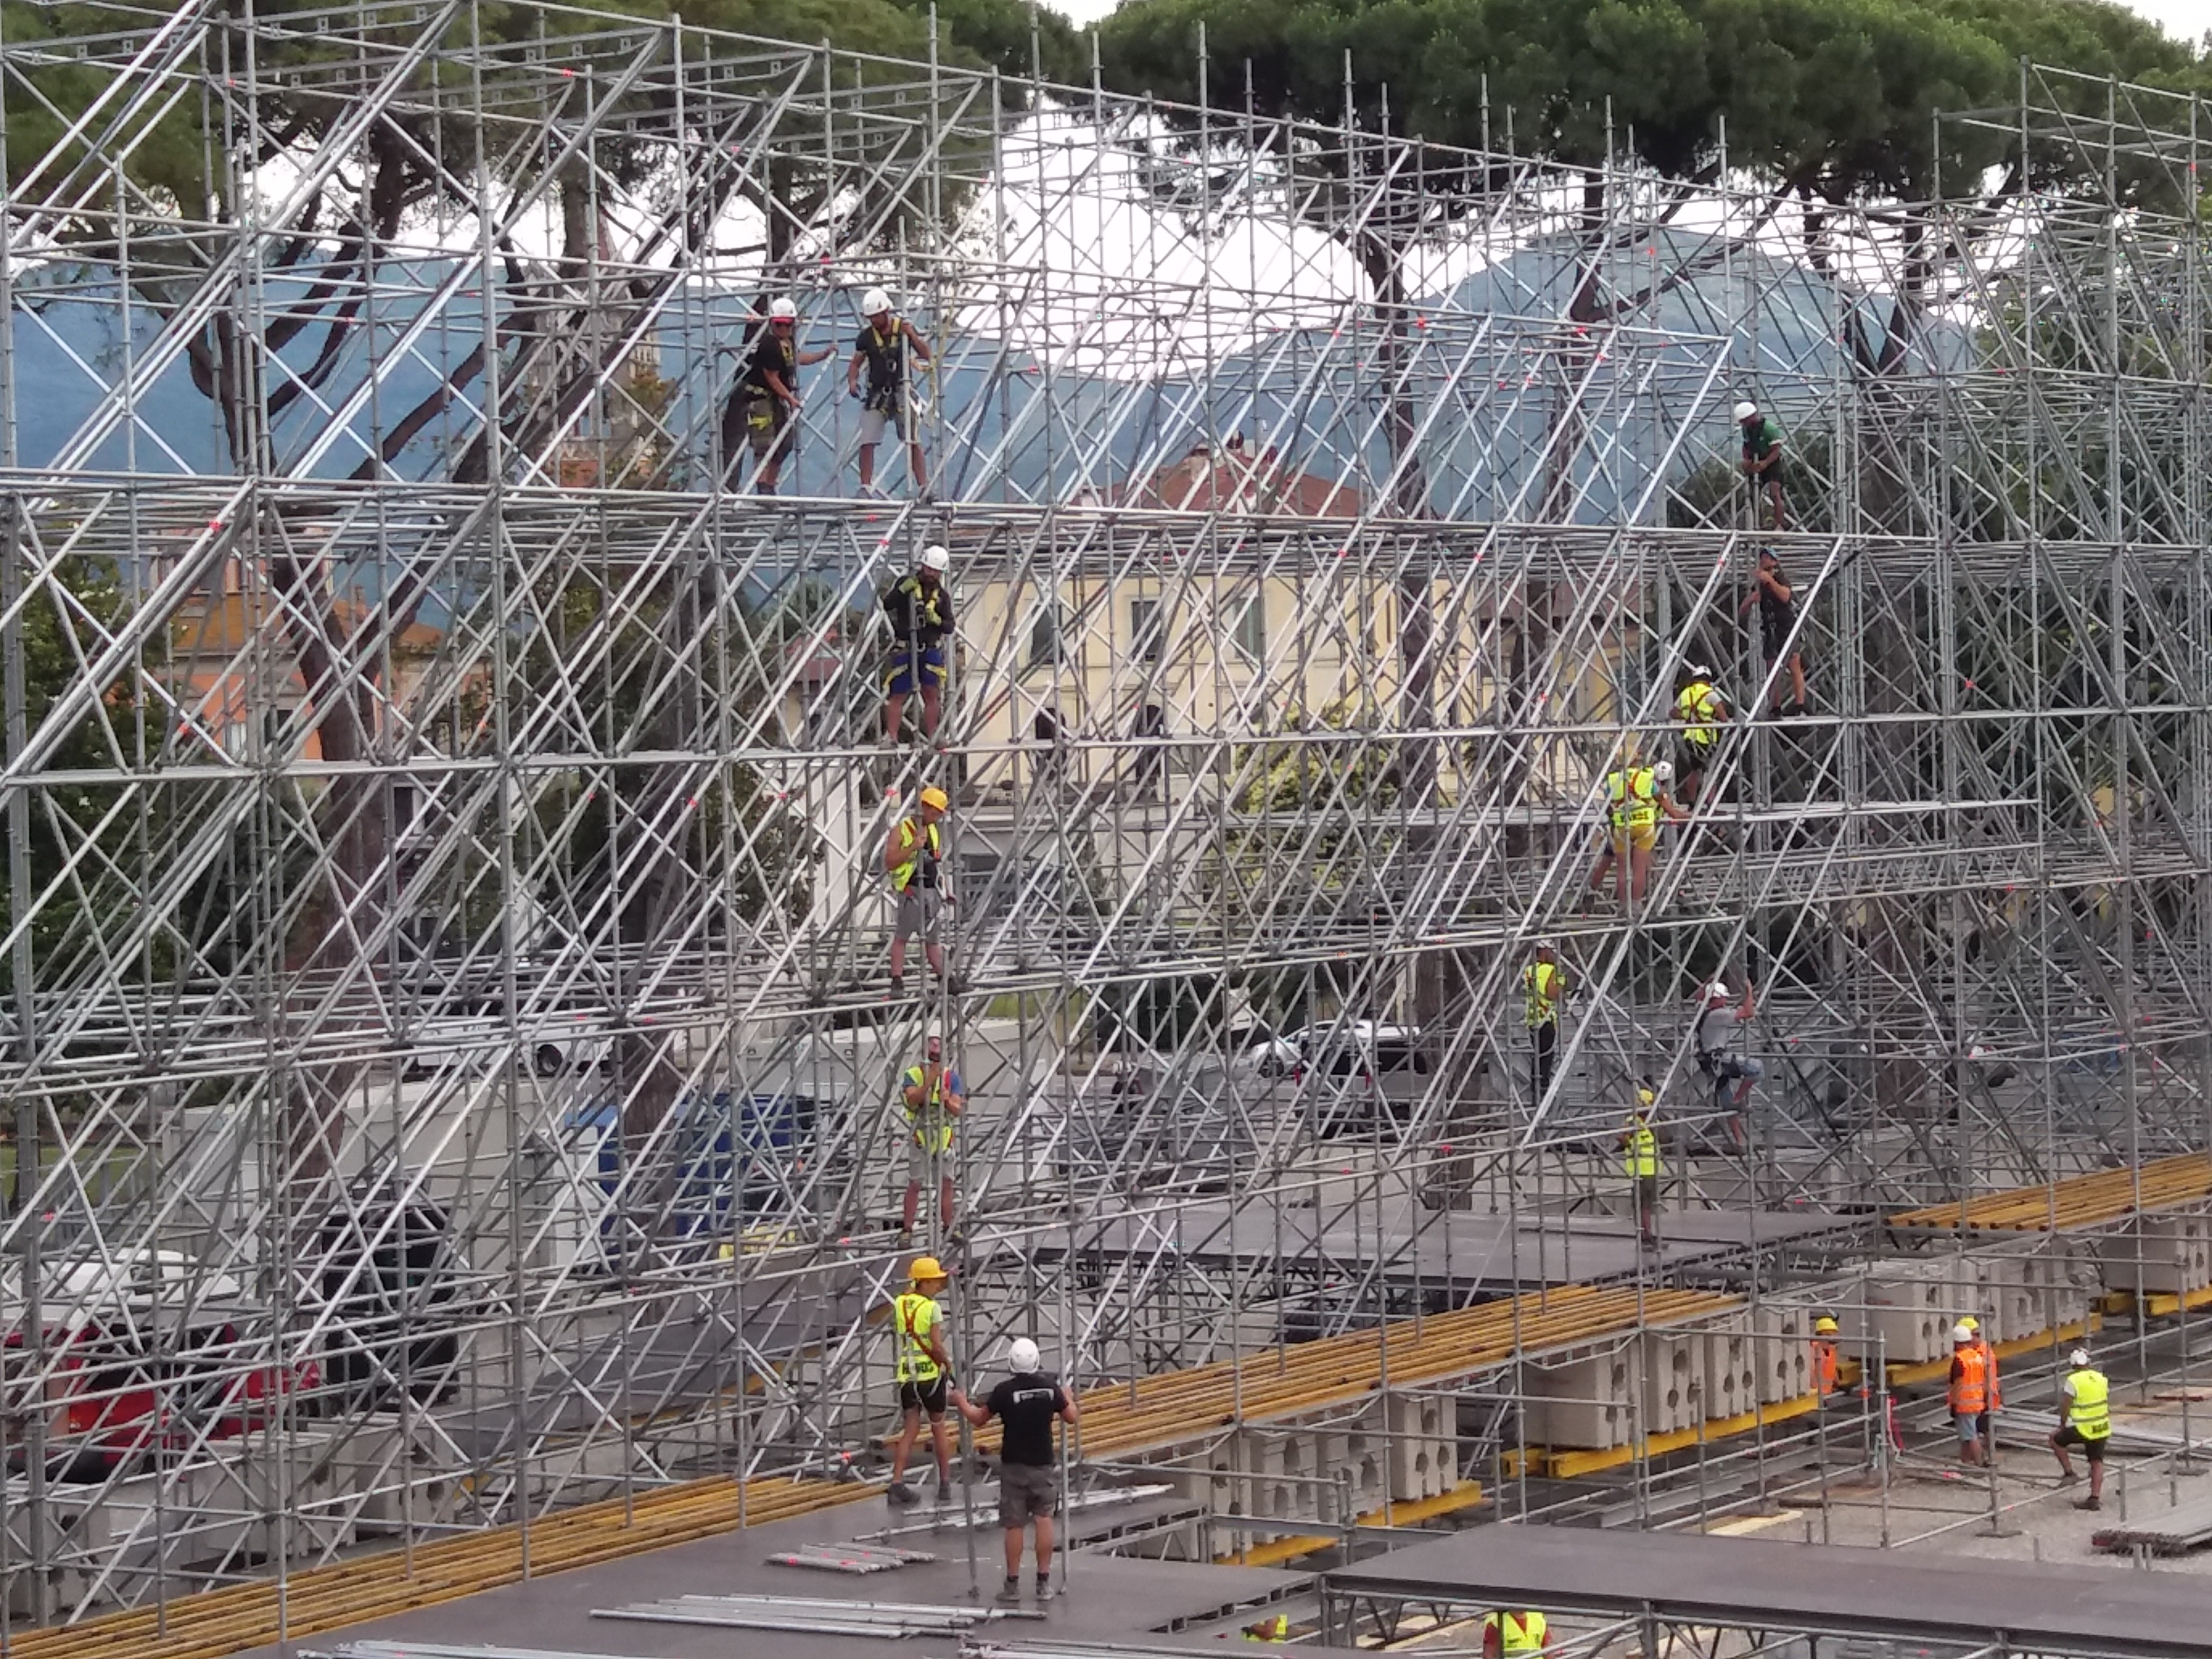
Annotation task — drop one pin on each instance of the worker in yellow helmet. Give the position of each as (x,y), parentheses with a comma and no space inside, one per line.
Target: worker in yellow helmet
(923,1369)
(2085,1420)
(1545,982)
(913,855)
(935,1096)
(1639,1151)
(1825,1333)
(1515,1631)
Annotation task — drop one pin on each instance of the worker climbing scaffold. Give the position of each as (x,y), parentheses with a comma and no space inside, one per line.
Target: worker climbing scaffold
(935,1096)
(1636,798)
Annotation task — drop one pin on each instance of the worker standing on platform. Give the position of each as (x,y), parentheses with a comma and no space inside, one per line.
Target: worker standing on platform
(934,1097)
(768,393)
(1825,1370)
(1990,1374)
(2085,1420)
(1636,797)
(1969,1393)
(1777,601)
(1703,711)
(1545,983)
(1639,1154)
(920,607)
(1028,1403)
(887,343)
(913,855)
(924,1371)
(1510,1632)
(1762,458)
(1716,1057)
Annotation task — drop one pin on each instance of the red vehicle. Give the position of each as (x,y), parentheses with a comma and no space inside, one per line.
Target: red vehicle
(153,1353)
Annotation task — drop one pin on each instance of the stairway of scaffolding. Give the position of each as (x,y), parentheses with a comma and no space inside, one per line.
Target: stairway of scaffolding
(453,1066)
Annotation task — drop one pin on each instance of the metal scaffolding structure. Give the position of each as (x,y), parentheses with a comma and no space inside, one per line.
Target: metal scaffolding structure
(447,1028)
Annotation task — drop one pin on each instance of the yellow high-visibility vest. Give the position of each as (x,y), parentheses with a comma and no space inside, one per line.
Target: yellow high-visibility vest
(1643,1149)
(903,877)
(1518,1632)
(1699,706)
(932,1127)
(2091,1413)
(1635,796)
(1540,980)
(915,1317)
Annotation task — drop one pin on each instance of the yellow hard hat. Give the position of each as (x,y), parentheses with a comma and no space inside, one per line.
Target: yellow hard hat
(926,1268)
(935,797)
(1823,1326)
(1970,1322)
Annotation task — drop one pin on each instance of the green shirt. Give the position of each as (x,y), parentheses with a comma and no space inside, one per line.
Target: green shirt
(1762,439)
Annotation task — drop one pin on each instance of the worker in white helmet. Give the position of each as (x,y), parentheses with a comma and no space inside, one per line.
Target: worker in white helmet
(920,607)
(887,343)
(1732,1074)
(768,394)
(1636,797)
(1762,457)
(1028,1403)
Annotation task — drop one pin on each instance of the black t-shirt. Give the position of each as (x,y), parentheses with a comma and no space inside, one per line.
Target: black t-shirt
(772,353)
(885,356)
(1028,1405)
(1775,615)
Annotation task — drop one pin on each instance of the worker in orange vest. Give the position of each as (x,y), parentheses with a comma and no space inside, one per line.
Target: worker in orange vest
(1823,1356)
(1971,1391)
(1997,1391)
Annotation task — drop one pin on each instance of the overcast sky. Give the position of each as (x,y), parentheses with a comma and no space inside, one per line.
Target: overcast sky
(2187,18)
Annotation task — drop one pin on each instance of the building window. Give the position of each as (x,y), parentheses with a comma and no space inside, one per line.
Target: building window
(1147,630)
(1251,632)
(1044,638)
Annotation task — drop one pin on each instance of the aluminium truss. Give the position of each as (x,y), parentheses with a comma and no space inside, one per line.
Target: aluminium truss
(447,1033)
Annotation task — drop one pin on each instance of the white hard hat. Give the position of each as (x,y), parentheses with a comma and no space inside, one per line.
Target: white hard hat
(1746,410)
(936,557)
(875,302)
(1703,671)
(781,311)
(1664,772)
(1962,1333)
(2080,1357)
(1717,991)
(1022,1355)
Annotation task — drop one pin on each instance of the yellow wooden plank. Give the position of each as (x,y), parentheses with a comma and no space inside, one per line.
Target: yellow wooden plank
(1411,1513)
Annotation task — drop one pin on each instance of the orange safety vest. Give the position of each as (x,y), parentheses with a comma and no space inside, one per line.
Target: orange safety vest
(1969,1389)
(1824,1365)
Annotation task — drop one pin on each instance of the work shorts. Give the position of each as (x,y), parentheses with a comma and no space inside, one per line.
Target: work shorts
(1773,640)
(917,1159)
(1647,1194)
(911,670)
(888,412)
(927,1397)
(1623,839)
(768,429)
(1027,1492)
(1696,757)
(918,911)
(2092,1450)
(1971,1426)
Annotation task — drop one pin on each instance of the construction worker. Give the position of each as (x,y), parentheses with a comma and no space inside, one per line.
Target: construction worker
(1762,458)
(1639,1154)
(1824,1370)
(1544,983)
(1969,1393)
(924,1371)
(912,855)
(1777,601)
(886,344)
(1714,1039)
(1989,1373)
(1029,1402)
(920,607)
(1635,799)
(1702,710)
(1274,1627)
(935,1096)
(2085,1420)
(768,393)
(1517,1631)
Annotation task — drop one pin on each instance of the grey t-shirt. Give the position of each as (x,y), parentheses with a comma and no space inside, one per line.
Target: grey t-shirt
(1716,1030)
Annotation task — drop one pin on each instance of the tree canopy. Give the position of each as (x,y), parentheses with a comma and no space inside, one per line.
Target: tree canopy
(1831,97)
